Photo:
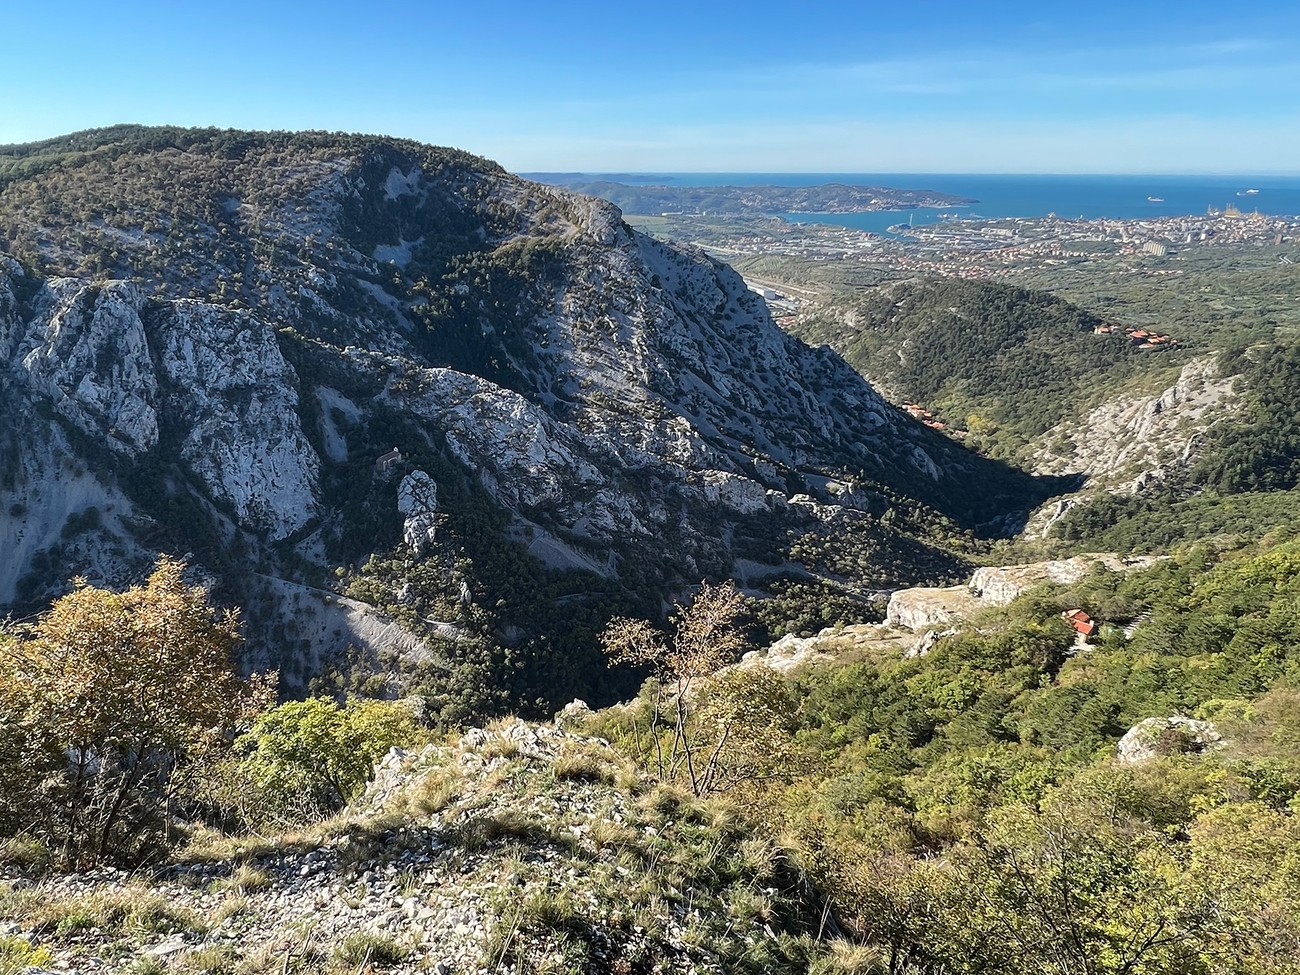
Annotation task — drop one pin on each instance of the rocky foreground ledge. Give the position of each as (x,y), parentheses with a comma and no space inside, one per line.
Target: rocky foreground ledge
(519,848)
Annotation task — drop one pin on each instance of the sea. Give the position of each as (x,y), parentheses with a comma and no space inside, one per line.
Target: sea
(1124,197)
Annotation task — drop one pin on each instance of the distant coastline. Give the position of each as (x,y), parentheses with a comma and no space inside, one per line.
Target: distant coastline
(1006,196)
(757,200)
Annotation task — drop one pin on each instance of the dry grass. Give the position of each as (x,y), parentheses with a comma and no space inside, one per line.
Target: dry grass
(437,790)
(232,906)
(209,960)
(247,879)
(367,948)
(211,846)
(582,764)
(130,911)
(844,958)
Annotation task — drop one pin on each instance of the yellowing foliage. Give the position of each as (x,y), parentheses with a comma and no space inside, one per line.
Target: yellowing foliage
(105,700)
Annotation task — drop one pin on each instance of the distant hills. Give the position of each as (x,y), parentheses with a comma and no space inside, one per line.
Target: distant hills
(751,200)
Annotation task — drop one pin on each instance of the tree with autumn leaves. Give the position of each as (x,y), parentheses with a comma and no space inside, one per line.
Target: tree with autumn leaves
(106,703)
(705,724)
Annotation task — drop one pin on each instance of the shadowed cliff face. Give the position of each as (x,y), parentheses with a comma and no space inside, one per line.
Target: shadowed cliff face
(224,331)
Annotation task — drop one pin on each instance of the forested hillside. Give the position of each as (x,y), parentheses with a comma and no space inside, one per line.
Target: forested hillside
(1005,364)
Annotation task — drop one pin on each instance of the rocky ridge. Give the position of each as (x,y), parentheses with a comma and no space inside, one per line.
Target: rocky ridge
(519,847)
(1134,442)
(925,606)
(918,617)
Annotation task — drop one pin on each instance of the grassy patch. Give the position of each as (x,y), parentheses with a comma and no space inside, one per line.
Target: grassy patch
(368,948)
(128,912)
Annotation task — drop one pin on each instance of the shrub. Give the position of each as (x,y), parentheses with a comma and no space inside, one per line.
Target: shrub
(311,757)
(368,948)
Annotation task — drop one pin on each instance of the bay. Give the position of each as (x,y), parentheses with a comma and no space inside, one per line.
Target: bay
(1009,195)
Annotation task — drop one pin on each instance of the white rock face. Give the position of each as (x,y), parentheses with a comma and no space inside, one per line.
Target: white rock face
(736,492)
(787,654)
(46,491)
(1142,741)
(87,353)
(999,585)
(237,398)
(417,500)
(927,641)
(531,458)
(924,607)
(791,652)
(11,323)
(1137,435)
(333,404)
(928,606)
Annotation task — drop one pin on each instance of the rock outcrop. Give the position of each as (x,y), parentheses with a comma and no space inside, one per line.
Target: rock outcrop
(1167,736)
(235,399)
(1129,441)
(417,500)
(918,608)
(999,585)
(924,607)
(791,653)
(86,352)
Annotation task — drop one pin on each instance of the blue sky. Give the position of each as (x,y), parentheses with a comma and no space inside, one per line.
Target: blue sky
(664,85)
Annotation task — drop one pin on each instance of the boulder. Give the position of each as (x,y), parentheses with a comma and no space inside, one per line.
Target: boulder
(788,654)
(1167,736)
(573,715)
(736,492)
(916,609)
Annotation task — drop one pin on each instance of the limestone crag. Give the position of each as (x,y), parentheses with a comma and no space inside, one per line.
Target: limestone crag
(919,608)
(417,500)
(237,400)
(998,585)
(1133,439)
(791,653)
(87,353)
(925,606)
(1164,736)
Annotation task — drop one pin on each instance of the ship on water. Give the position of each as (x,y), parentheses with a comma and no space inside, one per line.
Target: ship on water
(1155,199)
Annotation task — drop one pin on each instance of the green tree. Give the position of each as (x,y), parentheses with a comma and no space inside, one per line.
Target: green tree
(308,758)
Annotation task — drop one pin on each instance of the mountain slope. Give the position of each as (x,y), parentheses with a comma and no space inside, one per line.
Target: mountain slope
(211,337)
(1005,362)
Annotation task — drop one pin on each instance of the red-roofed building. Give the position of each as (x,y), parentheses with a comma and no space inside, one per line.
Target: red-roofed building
(1081,621)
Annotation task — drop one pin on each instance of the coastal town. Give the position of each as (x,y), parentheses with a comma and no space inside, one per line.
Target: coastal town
(971,248)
